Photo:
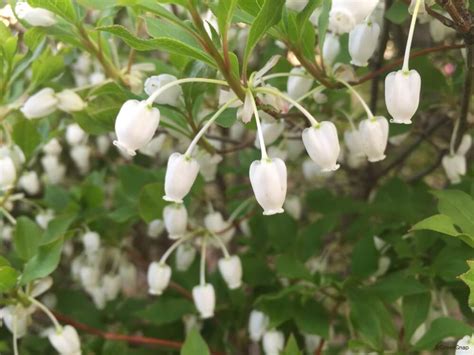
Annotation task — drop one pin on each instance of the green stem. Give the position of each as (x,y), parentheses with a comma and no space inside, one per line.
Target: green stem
(47,312)
(361,100)
(406,58)
(221,245)
(202,270)
(259,127)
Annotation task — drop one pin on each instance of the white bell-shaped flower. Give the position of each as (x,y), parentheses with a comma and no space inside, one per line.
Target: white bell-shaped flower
(439,32)
(273,342)
(363,40)
(354,142)
(258,324)
(7,172)
(103,144)
(181,173)
(345,14)
(185,255)
(53,147)
(91,242)
(155,228)
(54,170)
(215,223)
(135,125)
(44,217)
(66,341)
(80,154)
(168,97)
(208,165)
(297,86)
(16,318)
(41,104)
(293,207)
(271,129)
(374,133)
(322,145)
(154,146)
(29,182)
(311,342)
(331,48)
(268,179)
(158,276)
(35,16)
(231,271)
(98,295)
(402,95)
(204,298)
(296,5)
(455,167)
(69,101)
(75,135)
(112,285)
(176,220)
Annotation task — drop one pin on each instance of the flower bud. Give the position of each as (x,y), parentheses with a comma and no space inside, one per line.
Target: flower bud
(44,217)
(66,341)
(455,167)
(258,324)
(345,14)
(103,144)
(298,86)
(268,179)
(185,255)
(111,286)
(52,147)
(176,220)
(273,342)
(16,318)
(374,133)
(296,5)
(98,296)
(402,95)
(231,271)
(205,300)
(322,144)
(181,173)
(158,278)
(35,16)
(80,154)
(69,101)
(29,182)
(41,104)
(293,207)
(75,135)
(168,97)
(91,242)
(89,276)
(135,125)
(155,228)
(331,49)
(7,172)
(363,40)
(215,223)
(54,170)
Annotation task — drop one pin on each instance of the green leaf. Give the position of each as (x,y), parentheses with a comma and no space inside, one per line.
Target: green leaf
(269,15)
(440,329)
(468,278)
(168,44)
(312,318)
(459,206)
(57,228)
(227,118)
(291,267)
(63,8)
(26,136)
(415,309)
(396,285)
(46,67)
(364,257)
(151,202)
(166,310)
(323,22)
(398,12)
(194,344)
(43,263)
(291,347)
(8,278)
(27,238)
(224,12)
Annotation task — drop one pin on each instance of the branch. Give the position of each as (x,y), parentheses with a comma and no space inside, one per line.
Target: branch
(139,340)
(467,94)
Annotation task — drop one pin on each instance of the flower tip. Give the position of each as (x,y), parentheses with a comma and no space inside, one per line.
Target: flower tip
(272,212)
(174,236)
(123,148)
(374,160)
(155,292)
(401,121)
(207,315)
(235,286)
(359,64)
(171,199)
(333,168)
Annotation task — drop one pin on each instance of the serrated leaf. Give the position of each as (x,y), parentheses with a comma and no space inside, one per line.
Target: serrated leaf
(468,278)
(194,344)
(168,44)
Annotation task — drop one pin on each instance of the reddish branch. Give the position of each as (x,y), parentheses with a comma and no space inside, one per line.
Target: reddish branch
(131,339)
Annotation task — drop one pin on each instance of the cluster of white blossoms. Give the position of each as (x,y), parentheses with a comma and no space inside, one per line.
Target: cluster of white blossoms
(17,319)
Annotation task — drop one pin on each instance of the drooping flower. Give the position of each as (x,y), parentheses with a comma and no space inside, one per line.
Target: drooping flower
(176,220)
(331,48)
(158,278)
(91,242)
(181,173)
(41,104)
(29,182)
(402,95)
(363,40)
(455,165)
(231,271)
(298,85)
(8,171)
(66,341)
(170,96)
(273,342)
(345,14)
(155,228)
(69,101)
(35,16)
(204,298)
(322,145)
(215,223)
(374,133)
(185,255)
(258,324)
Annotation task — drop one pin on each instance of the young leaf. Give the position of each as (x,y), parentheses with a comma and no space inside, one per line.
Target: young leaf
(224,11)
(194,344)
(43,263)
(26,136)
(8,277)
(323,22)
(269,15)
(468,278)
(291,347)
(27,238)
(459,206)
(63,8)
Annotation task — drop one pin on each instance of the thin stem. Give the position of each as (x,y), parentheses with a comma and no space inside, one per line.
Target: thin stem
(157,93)
(316,90)
(279,75)
(8,215)
(202,271)
(47,312)
(259,127)
(221,245)
(349,118)
(364,105)
(235,212)
(305,112)
(453,137)
(203,130)
(406,59)
(15,335)
(173,247)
